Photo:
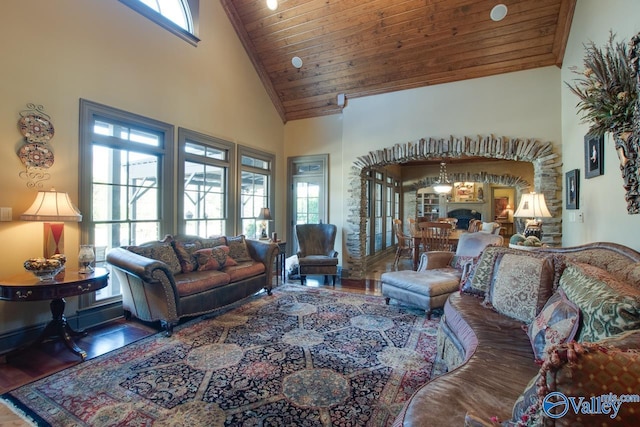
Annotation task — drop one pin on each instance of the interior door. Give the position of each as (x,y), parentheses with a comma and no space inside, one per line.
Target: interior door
(308,179)
(307,203)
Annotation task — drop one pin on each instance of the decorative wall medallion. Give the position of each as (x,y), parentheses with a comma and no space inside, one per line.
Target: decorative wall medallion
(36,128)
(35,155)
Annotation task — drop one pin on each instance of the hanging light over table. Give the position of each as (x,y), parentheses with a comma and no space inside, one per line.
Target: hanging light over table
(443,185)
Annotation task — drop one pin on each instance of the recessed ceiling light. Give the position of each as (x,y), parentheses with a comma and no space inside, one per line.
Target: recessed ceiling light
(296,61)
(498,12)
(272,4)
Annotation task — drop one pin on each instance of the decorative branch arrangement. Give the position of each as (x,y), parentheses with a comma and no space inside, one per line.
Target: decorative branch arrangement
(608,91)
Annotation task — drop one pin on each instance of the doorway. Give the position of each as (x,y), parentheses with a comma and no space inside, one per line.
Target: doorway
(308,181)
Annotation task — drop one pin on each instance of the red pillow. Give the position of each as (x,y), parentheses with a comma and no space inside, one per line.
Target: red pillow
(214,258)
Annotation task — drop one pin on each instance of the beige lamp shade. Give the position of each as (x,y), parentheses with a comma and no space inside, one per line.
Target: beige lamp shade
(532,205)
(53,208)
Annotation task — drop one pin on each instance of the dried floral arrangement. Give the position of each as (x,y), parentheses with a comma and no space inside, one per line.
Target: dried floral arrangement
(607,88)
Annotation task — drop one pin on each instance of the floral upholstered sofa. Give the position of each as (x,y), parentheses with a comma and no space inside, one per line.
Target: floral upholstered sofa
(183,276)
(530,323)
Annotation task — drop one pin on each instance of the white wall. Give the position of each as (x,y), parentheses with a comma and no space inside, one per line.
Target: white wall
(524,104)
(601,199)
(56,52)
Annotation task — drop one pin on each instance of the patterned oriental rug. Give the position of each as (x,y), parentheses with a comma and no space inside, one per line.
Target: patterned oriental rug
(301,357)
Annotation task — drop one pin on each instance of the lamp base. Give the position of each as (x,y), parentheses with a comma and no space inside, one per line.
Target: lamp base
(533,231)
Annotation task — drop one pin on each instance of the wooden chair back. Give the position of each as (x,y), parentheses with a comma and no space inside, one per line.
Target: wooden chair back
(452,221)
(435,236)
(405,243)
(474,225)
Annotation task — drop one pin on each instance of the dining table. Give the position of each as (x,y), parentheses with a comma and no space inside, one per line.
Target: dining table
(416,236)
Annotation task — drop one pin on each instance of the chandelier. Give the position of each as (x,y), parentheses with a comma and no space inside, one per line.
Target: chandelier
(443,185)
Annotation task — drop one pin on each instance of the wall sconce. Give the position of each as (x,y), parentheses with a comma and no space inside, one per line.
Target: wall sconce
(533,206)
(54,208)
(265,215)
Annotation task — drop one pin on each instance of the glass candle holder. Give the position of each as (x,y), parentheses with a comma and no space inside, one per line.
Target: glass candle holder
(86,257)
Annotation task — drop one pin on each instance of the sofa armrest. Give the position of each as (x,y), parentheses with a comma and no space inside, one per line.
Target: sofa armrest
(264,252)
(435,259)
(138,265)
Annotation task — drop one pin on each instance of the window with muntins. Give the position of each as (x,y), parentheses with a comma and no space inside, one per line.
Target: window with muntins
(125,182)
(256,190)
(206,165)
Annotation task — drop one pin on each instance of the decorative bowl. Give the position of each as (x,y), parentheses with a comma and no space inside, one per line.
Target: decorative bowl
(45,269)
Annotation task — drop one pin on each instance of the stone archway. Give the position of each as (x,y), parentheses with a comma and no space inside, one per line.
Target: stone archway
(546,173)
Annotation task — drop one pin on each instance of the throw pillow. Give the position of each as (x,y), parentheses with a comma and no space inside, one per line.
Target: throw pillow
(185,252)
(480,282)
(521,285)
(160,252)
(213,241)
(466,264)
(607,305)
(581,370)
(238,248)
(557,323)
(214,258)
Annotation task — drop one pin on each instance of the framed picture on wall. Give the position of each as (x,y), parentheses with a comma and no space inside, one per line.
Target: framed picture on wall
(572,186)
(593,155)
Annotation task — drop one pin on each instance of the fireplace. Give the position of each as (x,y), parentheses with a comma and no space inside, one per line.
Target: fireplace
(464,216)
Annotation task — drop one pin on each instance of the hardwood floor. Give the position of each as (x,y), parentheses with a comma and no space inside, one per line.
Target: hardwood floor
(50,357)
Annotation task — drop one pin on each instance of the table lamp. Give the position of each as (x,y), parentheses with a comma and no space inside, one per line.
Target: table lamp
(54,208)
(265,215)
(532,205)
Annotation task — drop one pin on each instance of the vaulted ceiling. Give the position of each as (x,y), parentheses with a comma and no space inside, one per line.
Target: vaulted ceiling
(366,47)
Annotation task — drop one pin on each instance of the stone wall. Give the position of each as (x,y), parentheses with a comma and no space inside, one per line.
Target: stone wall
(547,166)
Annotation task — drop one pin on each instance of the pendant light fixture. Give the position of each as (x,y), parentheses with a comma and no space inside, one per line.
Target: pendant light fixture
(443,185)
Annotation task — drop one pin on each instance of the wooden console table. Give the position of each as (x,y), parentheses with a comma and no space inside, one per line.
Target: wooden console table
(26,287)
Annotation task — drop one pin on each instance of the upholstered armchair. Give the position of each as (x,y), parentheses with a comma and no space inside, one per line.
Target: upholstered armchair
(316,254)
(438,274)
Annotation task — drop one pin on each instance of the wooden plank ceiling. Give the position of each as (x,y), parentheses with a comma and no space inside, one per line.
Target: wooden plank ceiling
(366,47)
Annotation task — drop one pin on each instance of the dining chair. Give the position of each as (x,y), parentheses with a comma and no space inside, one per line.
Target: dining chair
(435,236)
(452,221)
(474,225)
(404,242)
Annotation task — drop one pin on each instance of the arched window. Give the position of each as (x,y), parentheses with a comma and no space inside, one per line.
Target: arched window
(178,16)
(176,11)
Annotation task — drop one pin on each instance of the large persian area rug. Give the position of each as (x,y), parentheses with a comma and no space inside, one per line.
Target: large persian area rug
(301,357)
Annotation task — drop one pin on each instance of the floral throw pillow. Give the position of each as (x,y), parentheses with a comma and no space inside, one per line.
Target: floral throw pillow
(521,285)
(608,305)
(557,323)
(185,252)
(214,258)
(238,248)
